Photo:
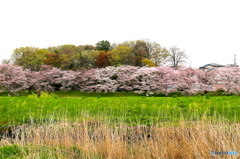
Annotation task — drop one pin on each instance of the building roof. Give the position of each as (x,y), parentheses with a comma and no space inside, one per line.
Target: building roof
(231,65)
(211,65)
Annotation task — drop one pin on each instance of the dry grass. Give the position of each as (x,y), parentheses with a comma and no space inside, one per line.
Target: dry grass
(94,139)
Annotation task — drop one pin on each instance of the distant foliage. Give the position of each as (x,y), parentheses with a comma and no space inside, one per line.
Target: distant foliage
(123,78)
(103,54)
(29,57)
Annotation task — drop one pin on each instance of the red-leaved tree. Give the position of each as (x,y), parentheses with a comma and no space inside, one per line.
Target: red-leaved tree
(102,59)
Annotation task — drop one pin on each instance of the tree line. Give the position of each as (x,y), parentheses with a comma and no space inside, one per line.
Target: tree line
(123,78)
(70,57)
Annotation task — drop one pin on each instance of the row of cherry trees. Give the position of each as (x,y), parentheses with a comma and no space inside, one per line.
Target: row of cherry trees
(123,78)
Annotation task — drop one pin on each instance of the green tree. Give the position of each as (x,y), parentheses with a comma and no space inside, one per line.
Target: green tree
(54,49)
(69,57)
(87,56)
(81,48)
(121,55)
(88,59)
(29,57)
(103,45)
(76,57)
(148,63)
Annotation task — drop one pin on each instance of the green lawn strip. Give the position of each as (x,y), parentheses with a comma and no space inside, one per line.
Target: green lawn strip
(76,94)
(95,94)
(109,94)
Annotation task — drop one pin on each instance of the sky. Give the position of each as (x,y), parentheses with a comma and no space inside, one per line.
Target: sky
(207,30)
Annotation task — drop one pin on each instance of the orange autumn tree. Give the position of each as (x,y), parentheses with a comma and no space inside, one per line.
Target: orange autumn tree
(52,59)
(102,59)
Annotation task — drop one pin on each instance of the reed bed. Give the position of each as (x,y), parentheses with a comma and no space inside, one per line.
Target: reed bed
(97,139)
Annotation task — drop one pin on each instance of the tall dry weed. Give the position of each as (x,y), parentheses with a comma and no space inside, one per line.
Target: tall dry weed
(95,139)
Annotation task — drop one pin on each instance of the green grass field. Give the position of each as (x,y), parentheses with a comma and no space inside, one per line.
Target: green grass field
(130,110)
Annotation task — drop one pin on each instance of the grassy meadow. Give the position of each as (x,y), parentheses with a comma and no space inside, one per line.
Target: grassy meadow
(65,125)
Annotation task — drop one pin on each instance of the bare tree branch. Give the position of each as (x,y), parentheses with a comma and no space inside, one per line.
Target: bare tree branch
(176,56)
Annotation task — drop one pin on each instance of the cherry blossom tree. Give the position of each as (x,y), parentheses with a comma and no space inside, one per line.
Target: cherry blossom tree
(227,79)
(12,78)
(142,80)
(164,80)
(123,78)
(98,80)
(187,81)
(52,79)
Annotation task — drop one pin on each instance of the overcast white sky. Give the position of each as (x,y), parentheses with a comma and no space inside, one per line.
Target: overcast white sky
(208,30)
